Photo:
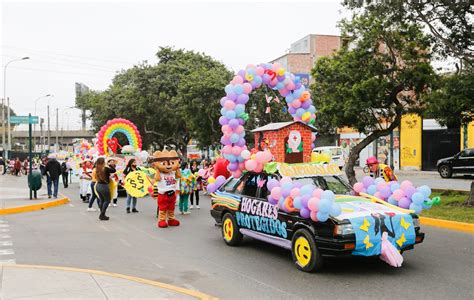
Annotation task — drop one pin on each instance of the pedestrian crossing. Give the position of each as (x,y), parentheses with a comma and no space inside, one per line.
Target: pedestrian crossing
(7,254)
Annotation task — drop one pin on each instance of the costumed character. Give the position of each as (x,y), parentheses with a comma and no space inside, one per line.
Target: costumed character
(380,170)
(220,168)
(166,164)
(85,175)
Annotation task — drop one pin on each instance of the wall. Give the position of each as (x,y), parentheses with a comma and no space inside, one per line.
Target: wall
(325,45)
(470,135)
(410,142)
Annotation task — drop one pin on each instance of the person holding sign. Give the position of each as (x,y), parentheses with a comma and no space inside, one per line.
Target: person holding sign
(131,200)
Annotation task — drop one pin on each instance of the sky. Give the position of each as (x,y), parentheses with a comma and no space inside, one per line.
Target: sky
(89,41)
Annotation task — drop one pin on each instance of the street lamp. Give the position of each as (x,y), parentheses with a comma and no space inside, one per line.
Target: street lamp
(36,102)
(8,108)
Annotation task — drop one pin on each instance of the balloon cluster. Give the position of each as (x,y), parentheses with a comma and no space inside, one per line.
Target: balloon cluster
(403,194)
(309,201)
(114,126)
(215,183)
(300,106)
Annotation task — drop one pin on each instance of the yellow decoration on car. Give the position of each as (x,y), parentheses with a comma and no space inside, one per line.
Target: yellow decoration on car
(367,243)
(401,240)
(404,223)
(211,179)
(137,184)
(365,226)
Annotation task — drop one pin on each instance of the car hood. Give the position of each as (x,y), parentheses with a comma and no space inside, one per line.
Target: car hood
(445,159)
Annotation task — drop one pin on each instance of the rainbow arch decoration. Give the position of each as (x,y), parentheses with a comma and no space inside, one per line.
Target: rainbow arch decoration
(106,134)
(274,76)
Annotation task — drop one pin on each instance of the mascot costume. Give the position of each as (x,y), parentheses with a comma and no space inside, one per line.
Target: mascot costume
(166,164)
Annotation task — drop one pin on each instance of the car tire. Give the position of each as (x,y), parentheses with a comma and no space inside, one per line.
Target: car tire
(230,230)
(306,255)
(445,171)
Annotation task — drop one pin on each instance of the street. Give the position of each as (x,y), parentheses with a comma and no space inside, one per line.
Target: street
(194,256)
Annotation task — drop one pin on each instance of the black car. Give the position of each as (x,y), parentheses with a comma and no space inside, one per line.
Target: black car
(461,163)
(241,208)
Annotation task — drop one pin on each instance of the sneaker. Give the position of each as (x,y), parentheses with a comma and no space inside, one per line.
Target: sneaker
(49,196)
(134,210)
(128,210)
(182,213)
(114,205)
(191,207)
(91,209)
(197,206)
(103,218)
(186,212)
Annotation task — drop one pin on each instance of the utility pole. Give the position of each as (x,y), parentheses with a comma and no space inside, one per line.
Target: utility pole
(57,130)
(49,132)
(41,135)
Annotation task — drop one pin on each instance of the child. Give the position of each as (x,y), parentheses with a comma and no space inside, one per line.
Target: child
(85,172)
(186,187)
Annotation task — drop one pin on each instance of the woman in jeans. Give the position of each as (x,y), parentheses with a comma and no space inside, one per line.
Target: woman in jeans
(197,187)
(131,166)
(102,187)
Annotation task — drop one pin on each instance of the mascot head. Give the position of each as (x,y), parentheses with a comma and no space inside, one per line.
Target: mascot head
(166,161)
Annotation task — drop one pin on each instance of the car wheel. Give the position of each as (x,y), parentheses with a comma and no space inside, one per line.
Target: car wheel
(230,230)
(305,254)
(445,171)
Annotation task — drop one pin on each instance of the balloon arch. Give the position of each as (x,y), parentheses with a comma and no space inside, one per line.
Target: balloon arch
(108,143)
(300,106)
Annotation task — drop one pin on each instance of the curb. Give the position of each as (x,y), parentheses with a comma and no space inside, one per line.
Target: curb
(459,226)
(33,207)
(162,285)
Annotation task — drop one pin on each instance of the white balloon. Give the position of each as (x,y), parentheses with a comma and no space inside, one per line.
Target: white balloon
(245,154)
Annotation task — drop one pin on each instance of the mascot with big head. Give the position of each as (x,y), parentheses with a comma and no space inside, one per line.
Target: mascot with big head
(166,164)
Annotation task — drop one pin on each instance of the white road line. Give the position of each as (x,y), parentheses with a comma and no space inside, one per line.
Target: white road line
(8,262)
(4,225)
(71,205)
(6,243)
(105,228)
(126,243)
(6,252)
(5,236)
(159,266)
(4,230)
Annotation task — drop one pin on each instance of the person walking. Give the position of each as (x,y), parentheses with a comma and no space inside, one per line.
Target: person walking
(53,170)
(103,173)
(65,172)
(186,187)
(17,167)
(197,186)
(93,190)
(131,201)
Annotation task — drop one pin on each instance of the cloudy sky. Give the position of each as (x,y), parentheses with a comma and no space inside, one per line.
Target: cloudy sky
(88,41)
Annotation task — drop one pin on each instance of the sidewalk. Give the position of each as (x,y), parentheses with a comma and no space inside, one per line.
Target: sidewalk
(48,282)
(15,196)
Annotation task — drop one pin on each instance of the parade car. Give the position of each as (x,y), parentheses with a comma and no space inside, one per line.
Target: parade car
(241,208)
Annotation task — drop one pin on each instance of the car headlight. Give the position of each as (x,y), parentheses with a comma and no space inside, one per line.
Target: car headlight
(343,229)
(416,222)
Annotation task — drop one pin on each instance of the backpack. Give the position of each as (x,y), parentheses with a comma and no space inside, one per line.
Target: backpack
(63,168)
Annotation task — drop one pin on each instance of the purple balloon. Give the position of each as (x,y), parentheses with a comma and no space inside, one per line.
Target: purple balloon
(281,78)
(211,188)
(223,100)
(291,110)
(297,184)
(409,191)
(404,202)
(304,200)
(242,99)
(305,104)
(242,73)
(240,143)
(367,181)
(231,96)
(233,123)
(232,167)
(241,121)
(305,213)
(266,78)
(223,120)
(225,141)
(385,192)
(272,183)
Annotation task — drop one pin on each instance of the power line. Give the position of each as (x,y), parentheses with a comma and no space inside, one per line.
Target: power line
(54,71)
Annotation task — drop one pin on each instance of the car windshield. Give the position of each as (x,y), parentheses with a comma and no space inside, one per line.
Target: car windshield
(333,183)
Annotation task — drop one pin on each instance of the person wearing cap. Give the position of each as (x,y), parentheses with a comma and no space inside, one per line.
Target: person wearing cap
(380,170)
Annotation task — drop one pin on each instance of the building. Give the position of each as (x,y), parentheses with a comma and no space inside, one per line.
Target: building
(289,142)
(66,139)
(304,52)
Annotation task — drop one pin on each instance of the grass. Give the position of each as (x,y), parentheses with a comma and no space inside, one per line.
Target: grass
(451,207)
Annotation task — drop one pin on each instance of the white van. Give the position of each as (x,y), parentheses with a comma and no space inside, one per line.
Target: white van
(336,153)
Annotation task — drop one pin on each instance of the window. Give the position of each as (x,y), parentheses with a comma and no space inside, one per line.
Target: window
(327,183)
(230,186)
(248,186)
(467,153)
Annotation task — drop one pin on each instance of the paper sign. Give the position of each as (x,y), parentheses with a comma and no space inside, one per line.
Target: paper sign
(137,184)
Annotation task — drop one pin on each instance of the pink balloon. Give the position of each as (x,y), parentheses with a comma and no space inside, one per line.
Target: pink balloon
(377,195)
(313,203)
(314,216)
(268,155)
(239,129)
(258,168)
(250,164)
(317,193)
(296,103)
(295,193)
(405,184)
(236,150)
(275,67)
(358,187)
(398,194)
(260,157)
(276,192)
(381,186)
(225,128)
(286,180)
(229,105)
(238,80)
(237,173)
(247,88)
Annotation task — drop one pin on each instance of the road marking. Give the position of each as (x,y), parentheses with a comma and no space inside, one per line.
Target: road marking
(5,243)
(159,266)
(6,252)
(105,228)
(5,236)
(126,243)
(7,262)
(4,225)
(71,205)
(4,230)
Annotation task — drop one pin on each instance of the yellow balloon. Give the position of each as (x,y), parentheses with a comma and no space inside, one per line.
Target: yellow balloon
(281,72)
(211,179)
(248,77)
(253,156)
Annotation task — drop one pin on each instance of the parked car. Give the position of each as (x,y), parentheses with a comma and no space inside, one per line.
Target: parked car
(337,155)
(461,163)
(241,208)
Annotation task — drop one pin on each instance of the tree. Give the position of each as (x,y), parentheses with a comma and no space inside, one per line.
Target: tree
(371,85)
(448,22)
(452,102)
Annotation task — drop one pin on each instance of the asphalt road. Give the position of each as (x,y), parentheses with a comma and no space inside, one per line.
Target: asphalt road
(194,256)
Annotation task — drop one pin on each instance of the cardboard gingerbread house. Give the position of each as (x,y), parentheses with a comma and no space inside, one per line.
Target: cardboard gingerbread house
(289,142)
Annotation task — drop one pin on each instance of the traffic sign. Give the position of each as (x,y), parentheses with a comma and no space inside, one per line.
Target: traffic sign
(24,120)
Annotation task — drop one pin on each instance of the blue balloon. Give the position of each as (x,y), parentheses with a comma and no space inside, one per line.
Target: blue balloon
(322,217)
(312,109)
(289,98)
(324,205)
(300,112)
(425,190)
(395,186)
(379,180)
(230,114)
(287,185)
(327,194)
(392,201)
(238,89)
(234,138)
(239,109)
(228,88)
(416,208)
(335,210)
(372,189)
(223,111)
(307,189)
(258,80)
(417,198)
(297,202)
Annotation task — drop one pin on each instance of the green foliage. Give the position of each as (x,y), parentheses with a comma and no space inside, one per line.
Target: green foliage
(452,102)
(452,207)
